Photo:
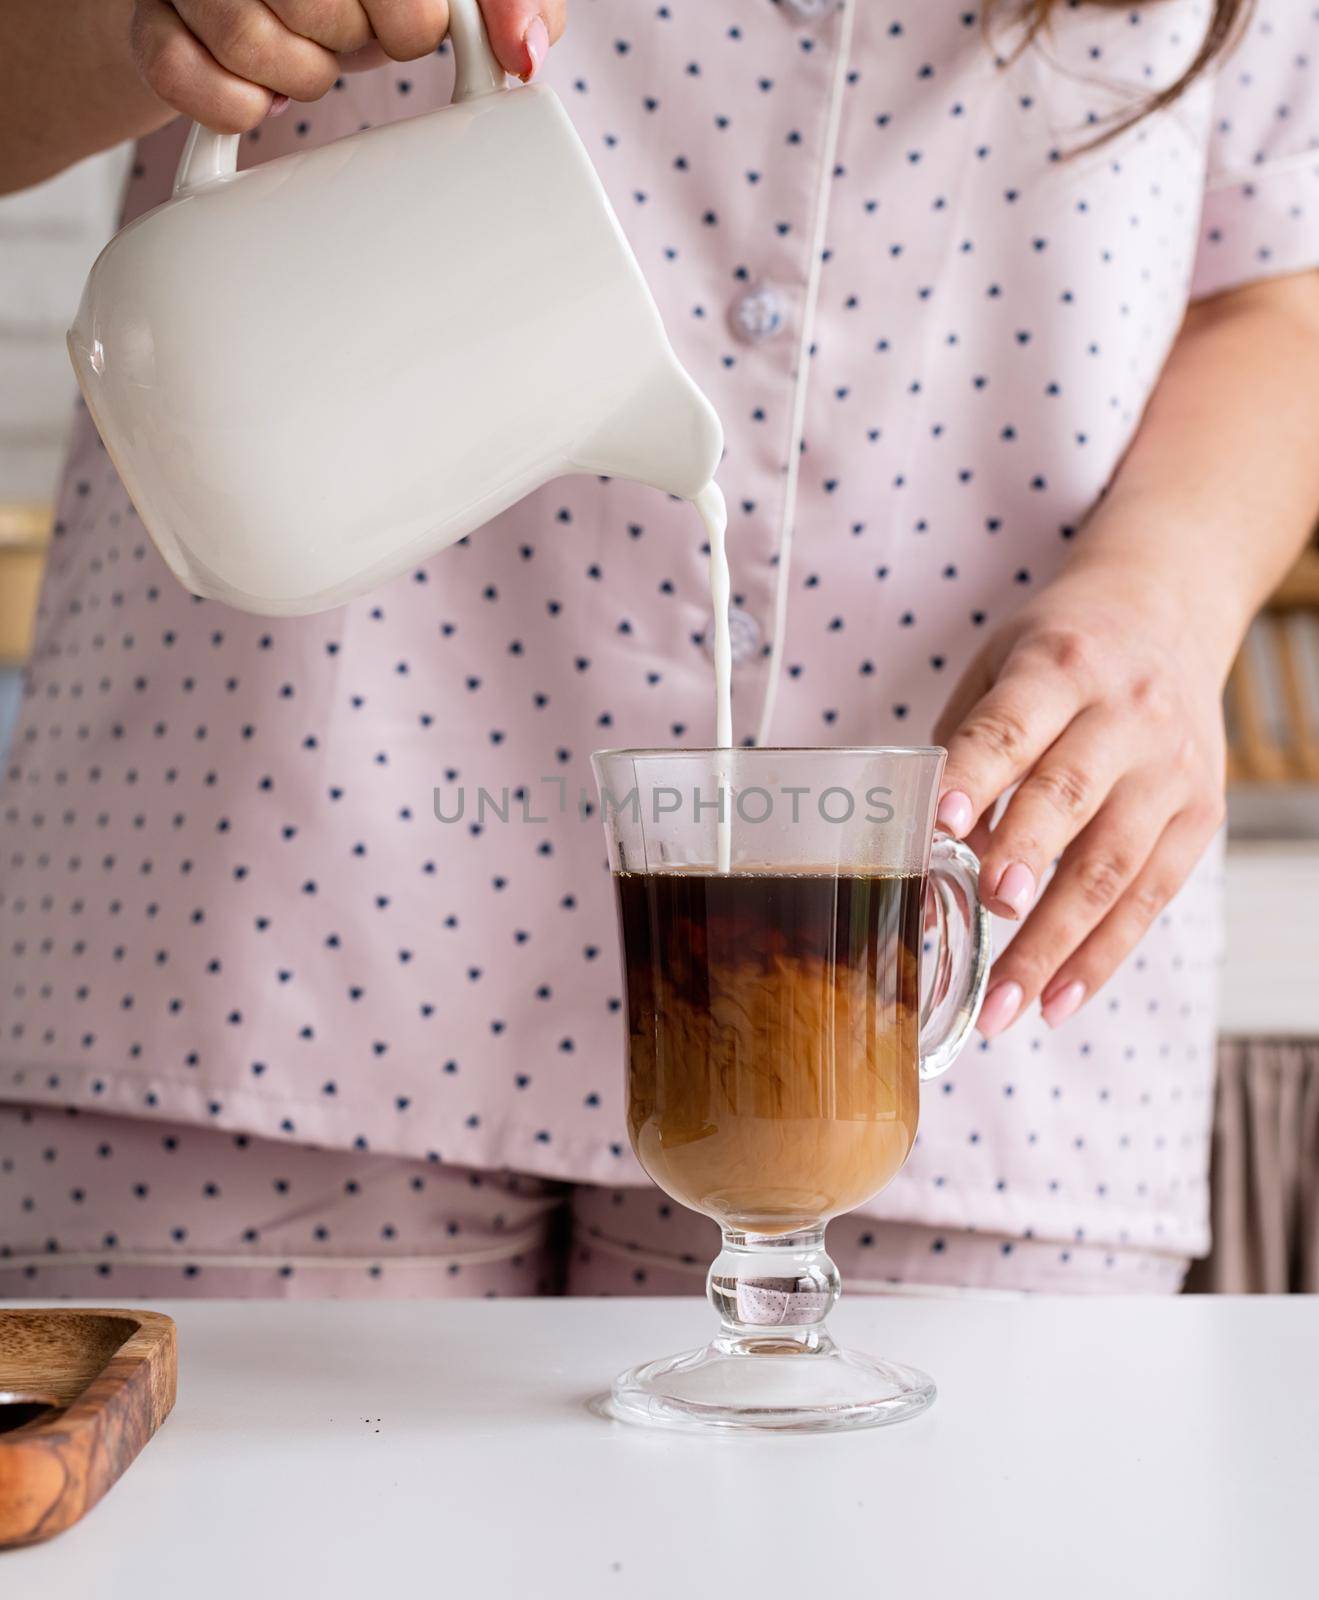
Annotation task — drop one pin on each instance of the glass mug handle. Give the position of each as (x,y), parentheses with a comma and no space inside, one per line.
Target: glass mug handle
(962,946)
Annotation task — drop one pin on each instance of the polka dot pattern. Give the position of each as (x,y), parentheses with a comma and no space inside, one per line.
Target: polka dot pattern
(227,897)
(1261,208)
(92,1205)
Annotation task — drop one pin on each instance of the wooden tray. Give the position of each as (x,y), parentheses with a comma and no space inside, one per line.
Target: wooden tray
(80,1393)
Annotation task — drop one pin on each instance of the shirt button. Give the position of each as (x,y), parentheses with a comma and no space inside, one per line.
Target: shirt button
(811,10)
(758,315)
(743,636)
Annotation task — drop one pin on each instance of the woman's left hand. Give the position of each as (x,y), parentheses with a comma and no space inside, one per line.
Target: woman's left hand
(1102,701)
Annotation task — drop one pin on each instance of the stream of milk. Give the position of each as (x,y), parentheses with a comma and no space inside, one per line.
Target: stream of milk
(713,510)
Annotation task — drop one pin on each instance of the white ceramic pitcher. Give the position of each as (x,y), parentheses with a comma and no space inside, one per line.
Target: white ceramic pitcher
(314,374)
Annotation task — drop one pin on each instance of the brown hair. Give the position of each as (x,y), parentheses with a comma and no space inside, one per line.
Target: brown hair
(1226,23)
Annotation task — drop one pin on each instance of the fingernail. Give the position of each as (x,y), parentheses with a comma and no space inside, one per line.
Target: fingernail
(1015,892)
(954,813)
(278,106)
(1001,1005)
(537,42)
(1058,1007)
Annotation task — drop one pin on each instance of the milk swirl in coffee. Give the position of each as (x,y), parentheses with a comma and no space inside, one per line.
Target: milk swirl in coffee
(772,1037)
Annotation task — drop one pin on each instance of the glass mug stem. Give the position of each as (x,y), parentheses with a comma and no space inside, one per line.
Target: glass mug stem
(772,1293)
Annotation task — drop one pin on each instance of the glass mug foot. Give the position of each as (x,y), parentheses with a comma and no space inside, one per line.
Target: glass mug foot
(826,1391)
(773,1368)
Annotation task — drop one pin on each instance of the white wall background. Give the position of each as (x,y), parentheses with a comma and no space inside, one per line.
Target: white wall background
(49,236)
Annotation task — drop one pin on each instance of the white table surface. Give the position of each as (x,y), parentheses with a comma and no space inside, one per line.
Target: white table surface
(1078,1448)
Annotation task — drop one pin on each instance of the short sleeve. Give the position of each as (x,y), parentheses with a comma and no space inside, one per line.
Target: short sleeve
(1261,210)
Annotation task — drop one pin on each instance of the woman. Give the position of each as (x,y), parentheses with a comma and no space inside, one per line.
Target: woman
(1013,324)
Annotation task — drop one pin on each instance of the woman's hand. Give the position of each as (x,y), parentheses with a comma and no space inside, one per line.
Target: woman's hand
(229,63)
(1102,701)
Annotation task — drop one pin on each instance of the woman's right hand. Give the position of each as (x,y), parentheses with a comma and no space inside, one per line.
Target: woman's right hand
(229,63)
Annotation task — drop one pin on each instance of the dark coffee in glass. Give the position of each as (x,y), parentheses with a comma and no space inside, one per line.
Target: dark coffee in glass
(772,1037)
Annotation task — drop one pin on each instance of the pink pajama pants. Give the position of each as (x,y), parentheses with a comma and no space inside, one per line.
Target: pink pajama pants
(95,1205)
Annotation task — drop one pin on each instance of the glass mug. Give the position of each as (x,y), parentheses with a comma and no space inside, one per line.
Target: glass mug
(782,1013)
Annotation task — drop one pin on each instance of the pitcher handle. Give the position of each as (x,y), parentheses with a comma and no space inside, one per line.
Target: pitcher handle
(964,946)
(208,156)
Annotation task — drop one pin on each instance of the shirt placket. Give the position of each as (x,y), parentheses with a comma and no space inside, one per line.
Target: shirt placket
(769,260)
(870,562)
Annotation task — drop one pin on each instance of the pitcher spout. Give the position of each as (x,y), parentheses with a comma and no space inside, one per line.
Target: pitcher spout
(664,433)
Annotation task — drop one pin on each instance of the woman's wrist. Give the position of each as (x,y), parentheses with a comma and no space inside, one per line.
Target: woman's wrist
(1149,558)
